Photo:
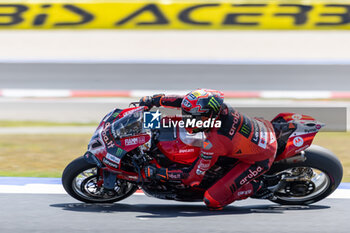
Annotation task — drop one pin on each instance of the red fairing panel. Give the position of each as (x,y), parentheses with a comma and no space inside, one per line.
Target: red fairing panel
(297,144)
(302,137)
(179,152)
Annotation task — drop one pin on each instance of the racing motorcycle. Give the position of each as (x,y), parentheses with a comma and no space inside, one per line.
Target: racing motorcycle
(301,173)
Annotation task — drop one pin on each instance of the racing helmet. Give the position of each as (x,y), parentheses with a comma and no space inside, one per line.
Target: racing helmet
(202,103)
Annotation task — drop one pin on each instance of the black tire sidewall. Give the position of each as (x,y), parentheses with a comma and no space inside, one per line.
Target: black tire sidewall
(76,167)
(318,158)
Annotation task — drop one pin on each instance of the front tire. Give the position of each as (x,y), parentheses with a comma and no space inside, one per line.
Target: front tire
(80,178)
(318,159)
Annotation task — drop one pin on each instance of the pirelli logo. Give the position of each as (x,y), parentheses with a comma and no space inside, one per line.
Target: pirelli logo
(175,14)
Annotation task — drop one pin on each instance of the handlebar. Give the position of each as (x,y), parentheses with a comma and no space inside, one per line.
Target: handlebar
(135,104)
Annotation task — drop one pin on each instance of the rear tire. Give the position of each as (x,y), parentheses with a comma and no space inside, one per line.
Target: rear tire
(318,158)
(69,181)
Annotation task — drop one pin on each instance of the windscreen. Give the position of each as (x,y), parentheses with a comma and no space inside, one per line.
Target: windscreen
(129,125)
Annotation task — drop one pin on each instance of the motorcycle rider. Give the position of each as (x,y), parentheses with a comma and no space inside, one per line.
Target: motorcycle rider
(250,141)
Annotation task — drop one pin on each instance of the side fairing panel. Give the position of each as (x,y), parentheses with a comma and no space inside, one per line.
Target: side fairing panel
(304,129)
(170,144)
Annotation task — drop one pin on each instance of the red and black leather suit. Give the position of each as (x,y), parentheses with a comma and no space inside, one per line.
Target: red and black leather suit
(249,140)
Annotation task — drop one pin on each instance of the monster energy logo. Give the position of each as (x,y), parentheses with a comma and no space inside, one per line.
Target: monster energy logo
(214,104)
(119,152)
(245,130)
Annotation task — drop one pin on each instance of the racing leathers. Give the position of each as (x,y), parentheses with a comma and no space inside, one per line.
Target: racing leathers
(250,141)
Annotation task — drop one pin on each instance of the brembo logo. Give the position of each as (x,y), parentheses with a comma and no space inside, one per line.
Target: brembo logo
(251,175)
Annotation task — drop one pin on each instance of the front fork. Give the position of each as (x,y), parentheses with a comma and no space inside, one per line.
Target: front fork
(109,177)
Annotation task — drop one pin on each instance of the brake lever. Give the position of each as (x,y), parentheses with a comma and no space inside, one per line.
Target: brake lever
(135,104)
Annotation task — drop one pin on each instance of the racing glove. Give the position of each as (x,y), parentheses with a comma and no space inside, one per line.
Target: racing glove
(154,173)
(151,101)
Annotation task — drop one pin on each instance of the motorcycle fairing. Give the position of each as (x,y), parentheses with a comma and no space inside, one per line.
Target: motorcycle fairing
(294,132)
(171,144)
(113,138)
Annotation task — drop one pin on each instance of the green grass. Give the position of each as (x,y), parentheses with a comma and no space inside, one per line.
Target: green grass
(48,155)
(39,155)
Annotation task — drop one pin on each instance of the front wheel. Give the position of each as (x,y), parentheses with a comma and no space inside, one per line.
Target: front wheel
(80,179)
(318,176)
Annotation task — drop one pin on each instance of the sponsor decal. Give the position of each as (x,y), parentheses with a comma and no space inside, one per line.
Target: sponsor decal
(186,151)
(214,104)
(318,126)
(151,120)
(113,158)
(207,157)
(207,153)
(251,175)
(187,103)
(310,130)
(297,117)
(134,141)
(236,121)
(203,166)
(175,176)
(298,141)
(107,162)
(192,97)
(115,114)
(143,14)
(263,136)
(207,144)
(131,112)
(131,141)
(244,193)
(246,128)
(109,142)
(119,152)
(196,93)
(256,133)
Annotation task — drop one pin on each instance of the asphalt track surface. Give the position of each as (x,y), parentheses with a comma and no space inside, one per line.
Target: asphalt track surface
(60,213)
(175,76)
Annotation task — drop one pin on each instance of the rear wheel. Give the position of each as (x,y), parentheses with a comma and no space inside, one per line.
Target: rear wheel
(80,180)
(309,181)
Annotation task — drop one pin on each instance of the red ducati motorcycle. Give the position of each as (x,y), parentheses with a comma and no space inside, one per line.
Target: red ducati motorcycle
(123,146)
